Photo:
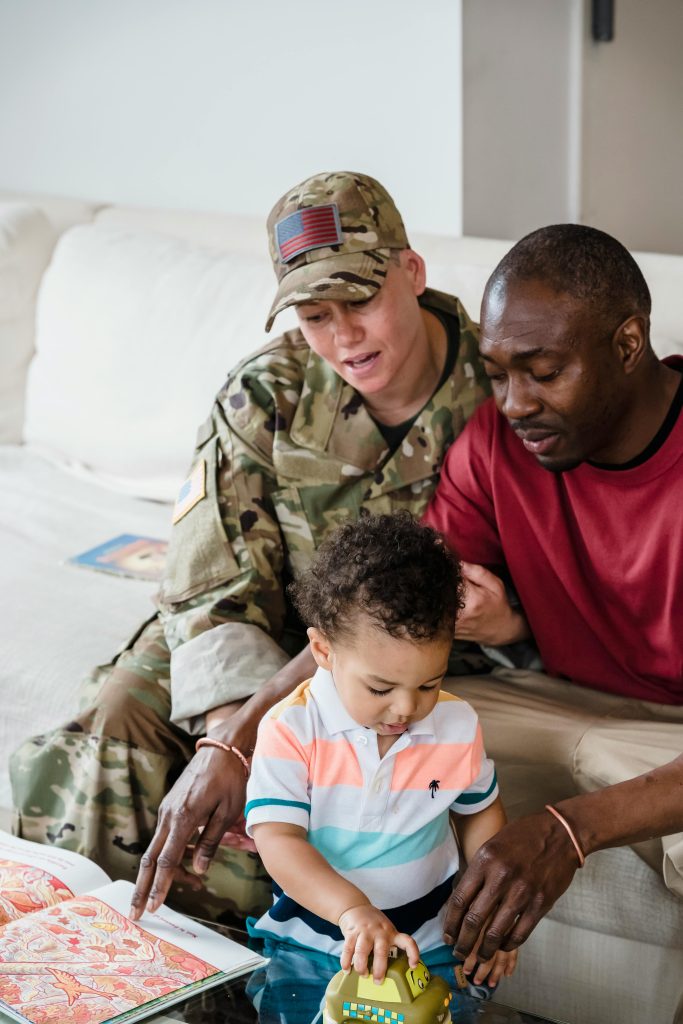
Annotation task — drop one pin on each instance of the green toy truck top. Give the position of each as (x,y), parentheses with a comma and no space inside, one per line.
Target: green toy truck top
(408,995)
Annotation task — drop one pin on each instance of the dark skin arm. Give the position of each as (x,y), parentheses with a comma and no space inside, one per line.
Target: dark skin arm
(517,875)
(211,792)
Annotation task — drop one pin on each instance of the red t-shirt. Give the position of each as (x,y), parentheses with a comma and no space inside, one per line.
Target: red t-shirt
(596,555)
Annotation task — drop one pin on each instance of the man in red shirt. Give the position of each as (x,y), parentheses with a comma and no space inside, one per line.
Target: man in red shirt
(568,484)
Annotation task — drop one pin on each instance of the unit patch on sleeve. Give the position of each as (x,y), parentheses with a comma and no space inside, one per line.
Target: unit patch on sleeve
(192,491)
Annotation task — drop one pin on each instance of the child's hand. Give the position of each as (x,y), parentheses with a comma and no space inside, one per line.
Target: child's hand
(367,930)
(501,965)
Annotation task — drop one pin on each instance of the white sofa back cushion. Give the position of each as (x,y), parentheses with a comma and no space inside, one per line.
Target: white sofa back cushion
(136,332)
(225,231)
(141,316)
(62,212)
(26,241)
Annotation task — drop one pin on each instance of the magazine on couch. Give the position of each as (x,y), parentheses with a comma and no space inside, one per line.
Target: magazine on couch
(70,955)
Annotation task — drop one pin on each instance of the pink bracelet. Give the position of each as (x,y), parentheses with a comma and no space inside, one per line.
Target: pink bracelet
(209,741)
(575,843)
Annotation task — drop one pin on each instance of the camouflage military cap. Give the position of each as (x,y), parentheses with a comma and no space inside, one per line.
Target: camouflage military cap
(330,238)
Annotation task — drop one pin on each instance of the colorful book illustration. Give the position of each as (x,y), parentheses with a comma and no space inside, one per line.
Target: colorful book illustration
(142,558)
(72,956)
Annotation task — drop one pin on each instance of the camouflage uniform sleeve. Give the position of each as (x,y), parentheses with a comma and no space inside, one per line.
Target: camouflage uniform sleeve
(222,601)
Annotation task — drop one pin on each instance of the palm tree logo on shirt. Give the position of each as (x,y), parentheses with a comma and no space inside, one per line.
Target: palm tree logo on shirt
(433,786)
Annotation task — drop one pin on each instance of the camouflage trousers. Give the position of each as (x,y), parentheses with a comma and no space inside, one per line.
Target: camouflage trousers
(95,785)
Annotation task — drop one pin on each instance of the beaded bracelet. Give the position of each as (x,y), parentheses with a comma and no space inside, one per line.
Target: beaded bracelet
(209,741)
(556,814)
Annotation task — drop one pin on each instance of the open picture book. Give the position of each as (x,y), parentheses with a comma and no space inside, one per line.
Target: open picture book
(70,954)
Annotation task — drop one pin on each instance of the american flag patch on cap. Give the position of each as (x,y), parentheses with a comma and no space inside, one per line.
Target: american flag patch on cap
(310,228)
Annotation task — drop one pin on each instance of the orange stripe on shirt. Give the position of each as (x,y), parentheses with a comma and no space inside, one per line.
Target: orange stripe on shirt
(280,741)
(333,763)
(454,765)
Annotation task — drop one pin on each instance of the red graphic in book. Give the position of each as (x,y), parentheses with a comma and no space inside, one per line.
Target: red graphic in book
(71,986)
(24,889)
(84,963)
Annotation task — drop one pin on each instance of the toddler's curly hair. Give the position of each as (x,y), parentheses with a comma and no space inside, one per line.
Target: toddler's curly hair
(393,569)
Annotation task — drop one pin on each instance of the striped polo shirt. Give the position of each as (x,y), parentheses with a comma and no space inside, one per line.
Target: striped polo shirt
(382,823)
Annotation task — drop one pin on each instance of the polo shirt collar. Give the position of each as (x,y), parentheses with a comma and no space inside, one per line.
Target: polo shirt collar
(334,715)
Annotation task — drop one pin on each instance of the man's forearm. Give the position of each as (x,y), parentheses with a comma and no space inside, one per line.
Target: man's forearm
(237,723)
(629,812)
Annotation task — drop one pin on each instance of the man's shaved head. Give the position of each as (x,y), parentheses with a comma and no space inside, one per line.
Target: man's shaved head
(579,261)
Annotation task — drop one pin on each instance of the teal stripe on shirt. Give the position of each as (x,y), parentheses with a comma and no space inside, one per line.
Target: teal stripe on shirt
(475,798)
(347,849)
(271,801)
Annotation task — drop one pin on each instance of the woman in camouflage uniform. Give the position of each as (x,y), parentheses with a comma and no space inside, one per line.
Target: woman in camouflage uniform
(351,413)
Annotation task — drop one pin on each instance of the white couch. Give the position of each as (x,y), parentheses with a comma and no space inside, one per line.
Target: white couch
(135,316)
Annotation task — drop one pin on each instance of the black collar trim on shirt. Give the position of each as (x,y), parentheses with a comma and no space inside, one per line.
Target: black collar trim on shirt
(658,440)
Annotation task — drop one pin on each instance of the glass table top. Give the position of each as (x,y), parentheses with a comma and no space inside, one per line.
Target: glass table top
(293,995)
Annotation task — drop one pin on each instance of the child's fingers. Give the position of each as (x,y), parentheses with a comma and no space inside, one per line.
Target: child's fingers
(471,961)
(409,945)
(483,971)
(510,963)
(360,957)
(491,971)
(502,965)
(380,957)
(347,952)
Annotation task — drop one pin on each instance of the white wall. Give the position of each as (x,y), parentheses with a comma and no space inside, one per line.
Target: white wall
(223,104)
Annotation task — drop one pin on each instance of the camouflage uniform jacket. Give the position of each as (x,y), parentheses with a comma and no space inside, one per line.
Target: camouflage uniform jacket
(288,453)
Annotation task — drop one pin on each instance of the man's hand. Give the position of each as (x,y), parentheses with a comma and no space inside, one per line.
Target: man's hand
(367,930)
(511,883)
(487,617)
(210,793)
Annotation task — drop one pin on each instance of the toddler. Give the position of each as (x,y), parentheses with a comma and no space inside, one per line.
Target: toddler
(361,776)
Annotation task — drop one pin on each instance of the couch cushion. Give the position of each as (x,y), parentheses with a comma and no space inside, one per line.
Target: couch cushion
(664,275)
(136,332)
(617,893)
(58,621)
(63,212)
(215,230)
(26,241)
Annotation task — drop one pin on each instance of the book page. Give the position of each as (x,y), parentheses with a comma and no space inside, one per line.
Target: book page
(228,956)
(85,962)
(34,876)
